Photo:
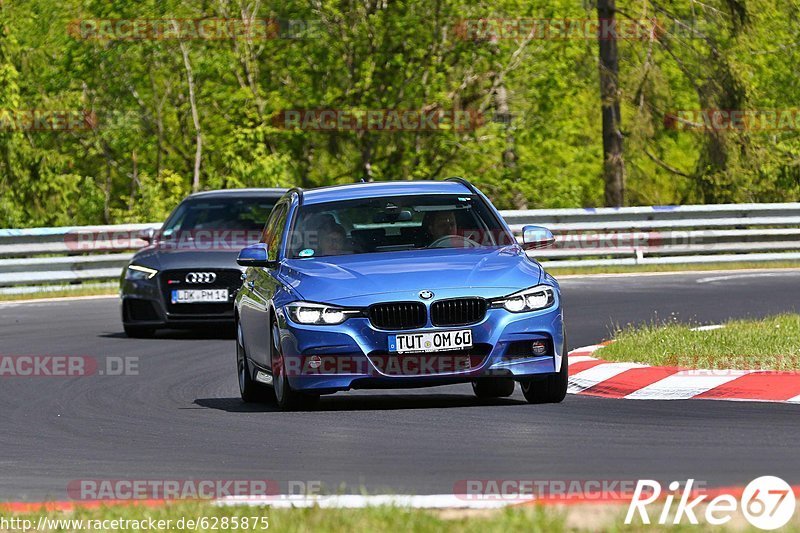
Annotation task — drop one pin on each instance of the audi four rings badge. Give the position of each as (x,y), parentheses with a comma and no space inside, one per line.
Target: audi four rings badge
(201,277)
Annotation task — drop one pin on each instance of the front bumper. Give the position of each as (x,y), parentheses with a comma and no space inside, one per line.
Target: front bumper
(144,303)
(355,355)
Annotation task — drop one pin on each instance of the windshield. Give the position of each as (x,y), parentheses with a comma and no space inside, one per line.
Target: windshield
(248,214)
(395,223)
(216,223)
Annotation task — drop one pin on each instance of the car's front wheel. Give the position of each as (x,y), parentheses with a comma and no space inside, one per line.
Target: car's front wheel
(287,398)
(493,387)
(550,389)
(250,390)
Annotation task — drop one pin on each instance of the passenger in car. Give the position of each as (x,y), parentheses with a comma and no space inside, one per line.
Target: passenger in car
(333,240)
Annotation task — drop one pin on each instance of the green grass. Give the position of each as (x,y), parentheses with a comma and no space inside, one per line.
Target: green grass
(63,293)
(701,267)
(321,520)
(769,344)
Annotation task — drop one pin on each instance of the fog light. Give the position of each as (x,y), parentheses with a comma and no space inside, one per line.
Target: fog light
(538,348)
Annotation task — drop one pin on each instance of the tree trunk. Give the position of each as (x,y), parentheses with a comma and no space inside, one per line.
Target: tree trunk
(504,116)
(134,181)
(613,162)
(366,158)
(195,118)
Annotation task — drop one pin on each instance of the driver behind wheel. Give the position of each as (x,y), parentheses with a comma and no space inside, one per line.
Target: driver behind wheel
(441,224)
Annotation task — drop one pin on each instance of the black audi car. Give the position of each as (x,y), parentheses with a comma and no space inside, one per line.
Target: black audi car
(187,275)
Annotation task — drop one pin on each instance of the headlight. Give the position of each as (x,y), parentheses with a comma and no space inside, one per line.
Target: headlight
(310,313)
(539,297)
(139,272)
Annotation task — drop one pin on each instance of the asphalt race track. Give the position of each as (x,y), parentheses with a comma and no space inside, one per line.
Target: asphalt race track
(180,417)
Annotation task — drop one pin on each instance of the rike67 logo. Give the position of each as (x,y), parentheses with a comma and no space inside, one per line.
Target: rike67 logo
(767,502)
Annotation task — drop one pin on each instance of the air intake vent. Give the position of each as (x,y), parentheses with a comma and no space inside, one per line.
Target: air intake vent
(398,315)
(458,312)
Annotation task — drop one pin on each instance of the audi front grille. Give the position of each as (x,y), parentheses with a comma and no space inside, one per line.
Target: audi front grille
(170,280)
(458,311)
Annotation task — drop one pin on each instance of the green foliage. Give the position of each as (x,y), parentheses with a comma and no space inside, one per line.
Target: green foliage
(155,197)
(395,55)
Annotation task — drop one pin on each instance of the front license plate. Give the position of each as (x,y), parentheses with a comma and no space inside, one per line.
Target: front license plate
(201,296)
(436,341)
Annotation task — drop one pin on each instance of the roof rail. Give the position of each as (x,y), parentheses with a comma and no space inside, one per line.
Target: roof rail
(299,192)
(464,182)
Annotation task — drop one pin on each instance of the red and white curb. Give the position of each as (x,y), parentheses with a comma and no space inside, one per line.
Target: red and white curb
(361,501)
(591,376)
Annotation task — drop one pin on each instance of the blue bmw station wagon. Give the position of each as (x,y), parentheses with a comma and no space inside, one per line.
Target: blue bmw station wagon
(391,285)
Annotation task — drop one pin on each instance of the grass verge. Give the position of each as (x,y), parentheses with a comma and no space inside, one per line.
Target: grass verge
(772,343)
(60,293)
(209,517)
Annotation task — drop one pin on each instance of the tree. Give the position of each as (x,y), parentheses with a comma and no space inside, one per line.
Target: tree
(613,162)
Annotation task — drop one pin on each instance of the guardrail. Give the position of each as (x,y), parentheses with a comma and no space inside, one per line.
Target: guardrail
(38,256)
(584,237)
(688,234)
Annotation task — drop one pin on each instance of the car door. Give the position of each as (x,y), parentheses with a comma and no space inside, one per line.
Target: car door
(261,284)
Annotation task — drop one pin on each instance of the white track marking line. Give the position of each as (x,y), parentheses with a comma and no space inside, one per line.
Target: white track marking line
(356,501)
(597,374)
(710,327)
(746,275)
(580,359)
(796,399)
(686,384)
(586,350)
(588,277)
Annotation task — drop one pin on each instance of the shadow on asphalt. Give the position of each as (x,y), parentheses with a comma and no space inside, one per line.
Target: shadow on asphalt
(372,402)
(217,333)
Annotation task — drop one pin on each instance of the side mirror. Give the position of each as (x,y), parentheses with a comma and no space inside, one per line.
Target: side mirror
(534,237)
(147,235)
(255,256)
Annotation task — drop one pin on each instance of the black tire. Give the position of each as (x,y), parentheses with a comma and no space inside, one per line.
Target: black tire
(138,332)
(287,398)
(493,387)
(550,389)
(250,390)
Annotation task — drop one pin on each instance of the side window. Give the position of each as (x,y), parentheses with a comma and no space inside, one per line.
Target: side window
(274,229)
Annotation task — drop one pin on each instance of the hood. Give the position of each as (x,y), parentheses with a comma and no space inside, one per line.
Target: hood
(170,259)
(496,271)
